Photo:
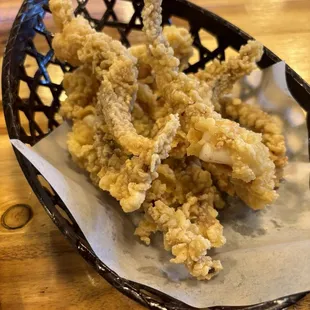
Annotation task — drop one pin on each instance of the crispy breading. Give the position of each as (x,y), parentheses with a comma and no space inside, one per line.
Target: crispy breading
(114,67)
(186,186)
(156,138)
(223,75)
(254,118)
(185,240)
(80,87)
(207,131)
(178,38)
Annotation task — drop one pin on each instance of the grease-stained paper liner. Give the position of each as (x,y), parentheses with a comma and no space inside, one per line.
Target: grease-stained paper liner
(267,254)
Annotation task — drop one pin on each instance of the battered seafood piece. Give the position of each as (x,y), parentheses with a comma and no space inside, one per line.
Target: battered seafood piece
(185,241)
(190,227)
(159,140)
(222,76)
(80,87)
(178,38)
(191,99)
(211,138)
(114,67)
(252,117)
(181,42)
(252,174)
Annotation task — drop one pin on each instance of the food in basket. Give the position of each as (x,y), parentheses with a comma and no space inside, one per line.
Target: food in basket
(162,142)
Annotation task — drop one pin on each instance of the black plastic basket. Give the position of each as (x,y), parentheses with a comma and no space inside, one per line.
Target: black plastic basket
(30,23)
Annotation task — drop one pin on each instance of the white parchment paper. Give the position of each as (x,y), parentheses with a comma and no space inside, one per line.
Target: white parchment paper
(267,254)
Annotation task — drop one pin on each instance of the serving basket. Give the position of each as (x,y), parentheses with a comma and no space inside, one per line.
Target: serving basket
(21,112)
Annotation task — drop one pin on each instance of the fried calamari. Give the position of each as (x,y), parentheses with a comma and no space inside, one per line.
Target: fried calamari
(162,141)
(114,68)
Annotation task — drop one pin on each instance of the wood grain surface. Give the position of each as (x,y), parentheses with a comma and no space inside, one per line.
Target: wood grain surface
(38,268)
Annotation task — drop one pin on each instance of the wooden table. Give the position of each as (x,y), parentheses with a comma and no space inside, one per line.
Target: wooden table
(38,268)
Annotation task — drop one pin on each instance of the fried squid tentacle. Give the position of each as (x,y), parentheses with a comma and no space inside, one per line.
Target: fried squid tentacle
(178,38)
(80,87)
(115,68)
(252,173)
(212,139)
(254,118)
(181,42)
(181,204)
(109,166)
(185,240)
(81,147)
(177,89)
(223,75)
(132,108)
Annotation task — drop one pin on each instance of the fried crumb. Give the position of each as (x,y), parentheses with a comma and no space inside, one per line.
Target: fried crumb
(162,141)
